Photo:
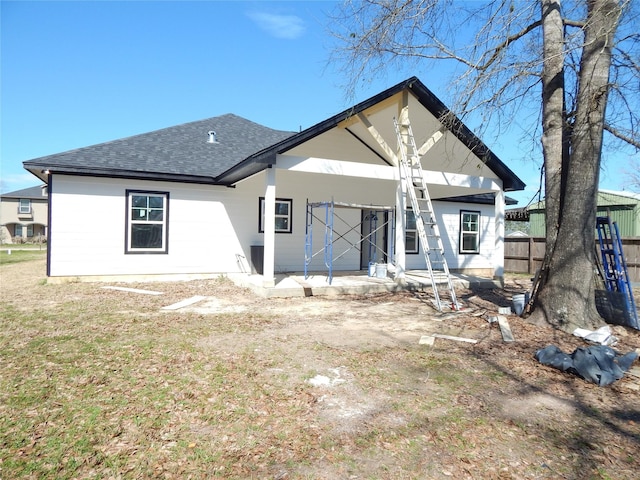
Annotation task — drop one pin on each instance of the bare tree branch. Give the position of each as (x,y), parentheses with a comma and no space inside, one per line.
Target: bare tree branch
(635,142)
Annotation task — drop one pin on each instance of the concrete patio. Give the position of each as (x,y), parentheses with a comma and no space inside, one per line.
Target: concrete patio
(357,282)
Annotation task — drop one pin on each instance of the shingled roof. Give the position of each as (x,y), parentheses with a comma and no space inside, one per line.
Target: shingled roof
(182,153)
(30,192)
(179,153)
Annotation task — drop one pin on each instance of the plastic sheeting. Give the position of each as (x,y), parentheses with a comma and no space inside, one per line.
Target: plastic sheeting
(598,363)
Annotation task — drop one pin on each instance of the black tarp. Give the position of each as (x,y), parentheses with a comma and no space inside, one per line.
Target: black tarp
(599,364)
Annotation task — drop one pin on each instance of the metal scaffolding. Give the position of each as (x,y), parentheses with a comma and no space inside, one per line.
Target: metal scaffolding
(332,236)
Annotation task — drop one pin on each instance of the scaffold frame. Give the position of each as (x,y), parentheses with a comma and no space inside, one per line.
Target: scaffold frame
(330,238)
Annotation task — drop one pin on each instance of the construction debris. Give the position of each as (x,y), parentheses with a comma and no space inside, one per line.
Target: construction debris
(184,303)
(598,363)
(133,290)
(602,336)
(507,336)
(429,339)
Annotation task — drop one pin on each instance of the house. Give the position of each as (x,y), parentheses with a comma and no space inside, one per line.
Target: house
(622,207)
(198,199)
(23,215)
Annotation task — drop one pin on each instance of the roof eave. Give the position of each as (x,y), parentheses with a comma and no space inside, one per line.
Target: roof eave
(510,180)
(43,171)
(262,159)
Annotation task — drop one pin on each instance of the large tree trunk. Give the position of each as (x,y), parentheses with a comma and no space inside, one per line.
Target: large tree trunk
(553,118)
(566,300)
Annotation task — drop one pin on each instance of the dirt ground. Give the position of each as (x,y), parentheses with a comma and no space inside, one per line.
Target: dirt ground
(591,431)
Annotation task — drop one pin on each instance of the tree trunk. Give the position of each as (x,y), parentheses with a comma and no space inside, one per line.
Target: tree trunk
(567,300)
(553,118)
(554,138)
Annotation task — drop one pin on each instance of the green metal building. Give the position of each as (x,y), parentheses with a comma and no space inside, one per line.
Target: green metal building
(623,207)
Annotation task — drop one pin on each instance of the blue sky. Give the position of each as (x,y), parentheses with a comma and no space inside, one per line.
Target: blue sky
(78,73)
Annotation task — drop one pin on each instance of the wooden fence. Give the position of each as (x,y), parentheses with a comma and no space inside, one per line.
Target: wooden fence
(525,255)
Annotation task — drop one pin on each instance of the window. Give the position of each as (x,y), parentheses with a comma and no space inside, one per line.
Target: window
(284,206)
(30,230)
(24,206)
(469,232)
(411,233)
(17,231)
(147,222)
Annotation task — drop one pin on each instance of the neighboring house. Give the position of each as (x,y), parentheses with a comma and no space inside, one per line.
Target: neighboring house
(623,207)
(192,200)
(23,215)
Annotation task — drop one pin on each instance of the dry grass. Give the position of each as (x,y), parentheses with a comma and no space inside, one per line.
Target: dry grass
(101,383)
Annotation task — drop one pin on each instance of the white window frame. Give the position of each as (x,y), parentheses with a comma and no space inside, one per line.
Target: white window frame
(409,216)
(467,231)
(288,216)
(145,210)
(24,208)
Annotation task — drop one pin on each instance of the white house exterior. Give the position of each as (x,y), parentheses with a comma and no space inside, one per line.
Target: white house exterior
(193,200)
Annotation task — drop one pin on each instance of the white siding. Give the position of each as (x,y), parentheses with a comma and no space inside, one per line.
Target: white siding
(318,188)
(88,229)
(448,217)
(211,229)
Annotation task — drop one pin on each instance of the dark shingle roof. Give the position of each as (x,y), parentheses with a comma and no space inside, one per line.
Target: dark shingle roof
(31,192)
(179,152)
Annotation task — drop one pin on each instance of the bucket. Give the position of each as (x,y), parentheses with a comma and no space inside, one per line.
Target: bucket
(372,269)
(381,270)
(518,303)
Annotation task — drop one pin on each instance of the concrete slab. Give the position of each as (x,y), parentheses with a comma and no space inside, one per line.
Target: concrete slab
(295,284)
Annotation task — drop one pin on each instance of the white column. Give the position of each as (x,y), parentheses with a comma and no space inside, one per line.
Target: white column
(401,196)
(400,258)
(499,237)
(268,266)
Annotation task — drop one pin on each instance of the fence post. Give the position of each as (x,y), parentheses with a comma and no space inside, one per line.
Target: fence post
(530,264)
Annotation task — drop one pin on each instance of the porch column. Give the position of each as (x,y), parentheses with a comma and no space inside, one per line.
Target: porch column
(400,229)
(498,261)
(268,264)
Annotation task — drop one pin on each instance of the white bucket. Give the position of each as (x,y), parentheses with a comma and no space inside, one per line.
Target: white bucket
(518,301)
(372,269)
(381,270)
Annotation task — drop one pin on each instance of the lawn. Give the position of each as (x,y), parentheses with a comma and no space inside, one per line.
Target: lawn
(104,383)
(11,255)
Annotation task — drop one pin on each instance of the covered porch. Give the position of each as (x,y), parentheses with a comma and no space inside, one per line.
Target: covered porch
(362,145)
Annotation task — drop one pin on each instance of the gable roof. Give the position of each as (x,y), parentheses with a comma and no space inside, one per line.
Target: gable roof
(427,99)
(181,153)
(30,192)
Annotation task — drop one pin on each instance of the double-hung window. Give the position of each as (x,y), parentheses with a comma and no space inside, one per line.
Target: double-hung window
(411,233)
(284,207)
(469,232)
(147,222)
(25,206)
